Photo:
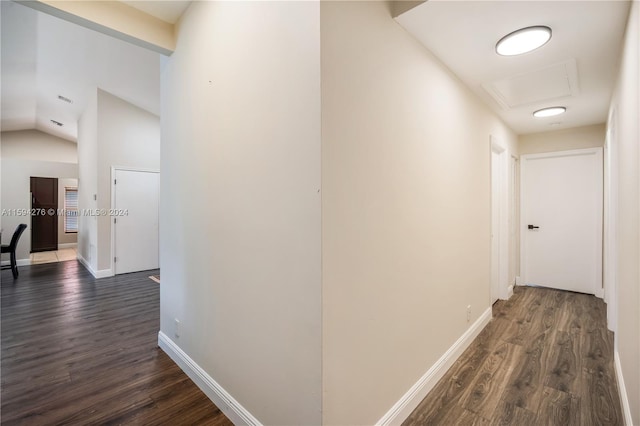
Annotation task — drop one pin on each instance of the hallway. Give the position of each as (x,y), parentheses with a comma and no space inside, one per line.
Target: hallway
(80,351)
(546,358)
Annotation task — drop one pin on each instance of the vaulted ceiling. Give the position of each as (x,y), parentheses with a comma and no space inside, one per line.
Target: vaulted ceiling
(44,57)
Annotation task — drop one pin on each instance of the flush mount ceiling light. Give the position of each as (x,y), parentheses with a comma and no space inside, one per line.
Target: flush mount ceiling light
(549,112)
(523,40)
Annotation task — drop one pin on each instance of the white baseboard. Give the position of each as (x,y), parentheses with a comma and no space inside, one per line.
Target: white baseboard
(599,293)
(622,390)
(509,293)
(519,281)
(102,273)
(84,263)
(19,262)
(67,245)
(410,400)
(216,393)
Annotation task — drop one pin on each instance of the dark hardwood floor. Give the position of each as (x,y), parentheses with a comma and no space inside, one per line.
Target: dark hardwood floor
(81,351)
(545,359)
(76,350)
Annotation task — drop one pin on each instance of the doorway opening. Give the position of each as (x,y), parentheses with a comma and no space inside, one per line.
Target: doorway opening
(53,221)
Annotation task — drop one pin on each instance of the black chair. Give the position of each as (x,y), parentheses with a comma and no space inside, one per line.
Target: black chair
(11,248)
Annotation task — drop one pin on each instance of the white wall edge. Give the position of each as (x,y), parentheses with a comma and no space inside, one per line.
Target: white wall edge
(410,400)
(103,273)
(499,148)
(19,262)
(67,245)
(216,393)
(622,390)
(519,281)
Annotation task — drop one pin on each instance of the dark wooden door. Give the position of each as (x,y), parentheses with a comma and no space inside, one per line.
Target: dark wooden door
(44,218)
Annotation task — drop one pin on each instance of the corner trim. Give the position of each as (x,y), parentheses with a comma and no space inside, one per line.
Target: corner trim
(410,400)
(102,273)
(216,393)
(622,390)
(509,292)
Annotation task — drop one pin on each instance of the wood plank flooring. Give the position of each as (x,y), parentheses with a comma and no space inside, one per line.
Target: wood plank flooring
(81,351)
(76,350)
(546,358)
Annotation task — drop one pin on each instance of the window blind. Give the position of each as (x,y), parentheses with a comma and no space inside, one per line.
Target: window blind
(71,210)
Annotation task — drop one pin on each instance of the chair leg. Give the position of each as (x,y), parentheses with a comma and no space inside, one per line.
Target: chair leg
(14,265)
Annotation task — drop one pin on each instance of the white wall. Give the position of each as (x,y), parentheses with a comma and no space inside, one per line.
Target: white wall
(405,210)
(111,132)
(38,146)
(28,153)
(624,138)
(563,140)
(240,202)
(128,136)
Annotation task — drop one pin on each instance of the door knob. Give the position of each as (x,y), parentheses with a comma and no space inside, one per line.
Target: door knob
(533,227)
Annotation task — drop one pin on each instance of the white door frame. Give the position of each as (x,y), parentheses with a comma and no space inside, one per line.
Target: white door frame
(113,205)
(610,243)
(523,207)
(514,219)
(504,290)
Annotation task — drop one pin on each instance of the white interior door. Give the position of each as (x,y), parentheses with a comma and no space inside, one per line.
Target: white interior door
(136,193)
(562,220)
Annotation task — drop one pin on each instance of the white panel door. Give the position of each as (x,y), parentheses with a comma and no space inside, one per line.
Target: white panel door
(136,233)
(562,220)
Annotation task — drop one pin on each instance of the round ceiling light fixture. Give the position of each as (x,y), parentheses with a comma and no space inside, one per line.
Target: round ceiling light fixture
(523,40)
(549,112)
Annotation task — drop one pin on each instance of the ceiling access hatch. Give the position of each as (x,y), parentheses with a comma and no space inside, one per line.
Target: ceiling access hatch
(543,85)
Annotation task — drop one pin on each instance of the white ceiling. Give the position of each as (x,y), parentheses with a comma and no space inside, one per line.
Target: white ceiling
(43,57)
(575,69)
(167,10)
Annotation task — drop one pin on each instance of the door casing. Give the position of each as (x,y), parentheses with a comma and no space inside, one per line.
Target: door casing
(499,221)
